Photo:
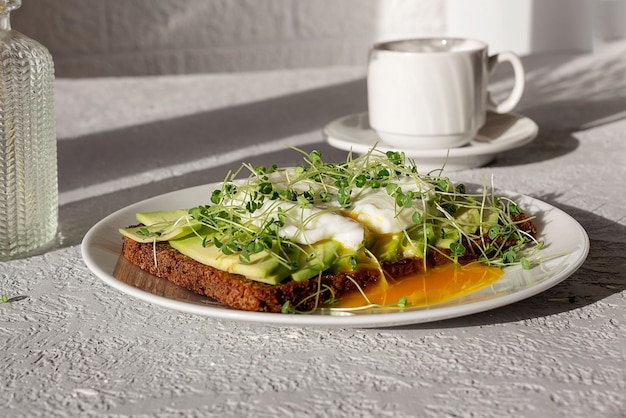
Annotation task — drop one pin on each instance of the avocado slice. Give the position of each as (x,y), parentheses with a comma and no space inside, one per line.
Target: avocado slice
(345,262)
(161,226)
(161,216)
(263,266)
(387,247)
(490,218)
(390,247)
(157,232)
(468,219)
(317,258)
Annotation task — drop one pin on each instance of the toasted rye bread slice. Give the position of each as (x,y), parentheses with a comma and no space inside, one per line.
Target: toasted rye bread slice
(236,290)
(239,292)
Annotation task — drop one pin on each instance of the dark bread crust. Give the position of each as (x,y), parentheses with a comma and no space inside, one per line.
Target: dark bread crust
(235,290)
(239,292)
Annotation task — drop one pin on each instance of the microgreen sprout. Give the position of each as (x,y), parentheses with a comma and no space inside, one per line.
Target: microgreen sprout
(6,299)
(332,300)
(456,249)
(353,263)
(147,232)
(287,308)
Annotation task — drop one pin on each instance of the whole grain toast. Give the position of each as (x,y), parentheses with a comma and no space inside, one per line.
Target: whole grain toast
(236,290)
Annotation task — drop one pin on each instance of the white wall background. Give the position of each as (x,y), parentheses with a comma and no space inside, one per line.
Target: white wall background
(143,37)
(538,26)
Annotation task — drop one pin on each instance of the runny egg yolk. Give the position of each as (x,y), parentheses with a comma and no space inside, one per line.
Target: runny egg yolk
(438,284)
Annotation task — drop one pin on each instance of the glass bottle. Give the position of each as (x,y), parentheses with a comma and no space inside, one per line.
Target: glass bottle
(28,149)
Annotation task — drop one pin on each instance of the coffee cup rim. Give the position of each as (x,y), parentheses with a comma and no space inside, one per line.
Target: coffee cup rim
(383,46)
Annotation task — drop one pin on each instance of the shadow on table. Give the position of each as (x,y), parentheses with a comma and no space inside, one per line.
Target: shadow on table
(106,156)
(558,122)
(601,275)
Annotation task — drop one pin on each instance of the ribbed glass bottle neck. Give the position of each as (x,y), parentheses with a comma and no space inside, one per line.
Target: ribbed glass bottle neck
(6,6)
(9,5)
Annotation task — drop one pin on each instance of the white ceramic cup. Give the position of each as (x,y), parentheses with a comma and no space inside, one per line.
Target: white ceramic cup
(432,93)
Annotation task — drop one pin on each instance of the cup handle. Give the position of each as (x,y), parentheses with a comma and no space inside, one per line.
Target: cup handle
(518,89)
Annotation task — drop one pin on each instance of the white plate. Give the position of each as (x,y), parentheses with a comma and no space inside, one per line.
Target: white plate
(102,246)
(501,132)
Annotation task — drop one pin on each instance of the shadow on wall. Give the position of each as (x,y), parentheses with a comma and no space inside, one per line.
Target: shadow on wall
(564,25)
(152,37)
(90,38)
(128,152)
(538,26)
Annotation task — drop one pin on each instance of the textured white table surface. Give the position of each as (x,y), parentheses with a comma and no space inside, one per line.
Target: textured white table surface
(75,347)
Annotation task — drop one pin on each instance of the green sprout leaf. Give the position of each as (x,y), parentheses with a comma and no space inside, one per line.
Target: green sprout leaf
(457,249)
(509,256)
(353,263)
(216,197)
(514,210)
(286,308)
(494,231)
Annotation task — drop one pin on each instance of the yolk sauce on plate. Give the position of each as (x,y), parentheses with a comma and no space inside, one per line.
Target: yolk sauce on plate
(438,284)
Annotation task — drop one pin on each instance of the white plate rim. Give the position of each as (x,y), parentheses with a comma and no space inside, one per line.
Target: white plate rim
(101,248)
(525,133)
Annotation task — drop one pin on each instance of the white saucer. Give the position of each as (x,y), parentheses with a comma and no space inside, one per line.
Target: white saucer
(501,132)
